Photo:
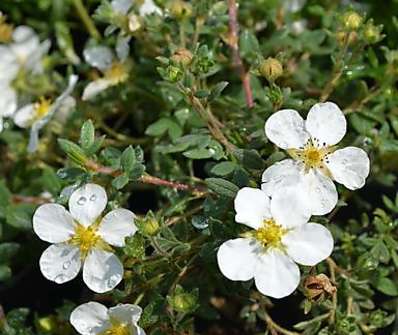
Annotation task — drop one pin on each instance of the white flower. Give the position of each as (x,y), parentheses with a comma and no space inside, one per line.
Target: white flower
(94,318)
(82,237)
(146,8)
(23,52)
(37,115)
(281,238)
(115,71)
(315,162)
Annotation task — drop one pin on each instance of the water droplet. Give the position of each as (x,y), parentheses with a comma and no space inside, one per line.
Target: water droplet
(200,222)
(81,201)
(60,279)
(66,265)
(93,197)
(113,280)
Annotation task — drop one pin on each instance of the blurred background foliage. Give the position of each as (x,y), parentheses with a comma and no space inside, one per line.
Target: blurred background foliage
(177,140)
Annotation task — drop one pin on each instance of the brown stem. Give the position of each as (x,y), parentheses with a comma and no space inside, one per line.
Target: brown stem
(233,42)
(274,328)
(17,199)
(145,179)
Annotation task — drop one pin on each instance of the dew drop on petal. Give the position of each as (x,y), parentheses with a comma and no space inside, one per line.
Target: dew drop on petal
(66,265)
(112,280)
(93,197)
(59,279)
(81,201)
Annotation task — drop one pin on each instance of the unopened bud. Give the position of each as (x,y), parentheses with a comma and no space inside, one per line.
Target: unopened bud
(317,287)
(182,56)
(352,20)
(182,301)
(180,9)
(150,226)
(134,23)
(372,33)
(343,37)
(46,324)
(271,69)
(174,73)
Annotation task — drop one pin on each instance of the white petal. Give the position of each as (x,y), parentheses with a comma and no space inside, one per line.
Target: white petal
(95,87)
(349,166)
(284,173)
(116,226)
(320,192)
(26,42)
(286,129)
(122,47)
(90,318)
(100,57)
(53,223)
(140,331)
(252,207)
(289,208)
(8,101)
(309,244)
(121,6)
(276,275)
(149,7)
(326,122)
(102,271)
(9,66)
(237,258)
(87,203)
(293,6)
(34,61)
(126,313)
(23,118)
(60,263)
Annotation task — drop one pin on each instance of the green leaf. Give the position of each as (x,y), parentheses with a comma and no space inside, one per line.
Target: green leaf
(222,187)
(8,250)
(87,135)
(217,90)
(74,152)
(223,168)
(120,181)
(20,216)
(128,159)
(5,273)
(387,286)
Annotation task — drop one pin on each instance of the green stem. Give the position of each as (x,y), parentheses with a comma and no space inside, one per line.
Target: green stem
(87,21)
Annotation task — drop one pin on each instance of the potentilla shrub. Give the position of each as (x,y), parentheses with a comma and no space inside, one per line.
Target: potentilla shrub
(198,167)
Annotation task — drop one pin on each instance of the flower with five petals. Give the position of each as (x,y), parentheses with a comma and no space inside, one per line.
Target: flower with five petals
(82,237)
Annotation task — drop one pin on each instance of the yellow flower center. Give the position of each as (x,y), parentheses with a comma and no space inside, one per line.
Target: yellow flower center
(117,73)
(42,107)
(86,238)
(6,30)
(119,329)
(270,234)
(312,155)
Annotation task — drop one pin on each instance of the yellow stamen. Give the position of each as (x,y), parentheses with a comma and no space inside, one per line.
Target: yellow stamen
(312,155)
(42,107)
(86,238)
(6,30)
(117,73)
(270,234)
(119,329)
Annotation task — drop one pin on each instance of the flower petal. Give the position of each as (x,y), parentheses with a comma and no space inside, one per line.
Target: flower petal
(23,118)
(237,258)
(286,129)
(9,66)
(126,313)
(326,122)
(149,7)
(123,47)
(309,244)
(319,192)
(349,166)
(116,226)
(100,57)
(289,208)
(252,207)
(87,203)
(8,101)
(90,318)
(102,271)
(53,223)
(276,275)
(60,263)
(140,331)
(95,87)
(280,174)
(121,6)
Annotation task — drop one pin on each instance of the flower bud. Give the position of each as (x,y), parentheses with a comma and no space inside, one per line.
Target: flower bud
(174,74)
(134,23)
(150,226)
(372,33)
(352,20)
(271,69)
(183,301)
(180,9)
(317,287)
(182,56)
(46,324)
(342,37)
